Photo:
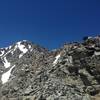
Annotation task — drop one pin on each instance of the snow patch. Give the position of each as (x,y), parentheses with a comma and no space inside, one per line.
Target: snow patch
(22,48)
(56,60)
(89,37)
(14,49)
(6,63)
(5,76)
(21,55)
(6,48)
(29,46)
(2,53)
(31,49)
(10,47)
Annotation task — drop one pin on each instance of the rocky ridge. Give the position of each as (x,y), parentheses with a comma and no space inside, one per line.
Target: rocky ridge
(71,72)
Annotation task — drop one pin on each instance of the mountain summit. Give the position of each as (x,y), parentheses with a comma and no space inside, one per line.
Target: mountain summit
(31,72)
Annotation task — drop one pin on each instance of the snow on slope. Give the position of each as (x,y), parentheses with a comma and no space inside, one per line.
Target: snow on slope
(2,53)
(5,76)
(22,48)
(6,63)
(56,60)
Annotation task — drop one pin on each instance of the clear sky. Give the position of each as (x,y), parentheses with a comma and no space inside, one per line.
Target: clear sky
(49,23)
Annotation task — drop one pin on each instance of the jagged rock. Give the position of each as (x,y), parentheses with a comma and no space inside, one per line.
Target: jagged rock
(69,73)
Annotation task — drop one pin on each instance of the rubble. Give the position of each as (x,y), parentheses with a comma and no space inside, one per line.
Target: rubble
(69,73)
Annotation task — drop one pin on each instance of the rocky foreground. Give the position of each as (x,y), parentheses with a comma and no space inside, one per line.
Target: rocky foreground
(31,72)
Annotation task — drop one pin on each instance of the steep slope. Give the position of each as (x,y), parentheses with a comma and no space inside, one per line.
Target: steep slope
(69,73)
(20,53)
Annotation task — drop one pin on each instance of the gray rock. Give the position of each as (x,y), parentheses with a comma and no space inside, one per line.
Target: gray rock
(75,76)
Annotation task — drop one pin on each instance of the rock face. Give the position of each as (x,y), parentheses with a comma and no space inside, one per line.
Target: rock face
(31,72)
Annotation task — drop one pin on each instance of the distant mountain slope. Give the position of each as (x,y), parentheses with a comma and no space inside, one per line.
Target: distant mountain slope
(71,72)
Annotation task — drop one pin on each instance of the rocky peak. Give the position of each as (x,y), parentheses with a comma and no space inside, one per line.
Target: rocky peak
(15,54)
(69,73)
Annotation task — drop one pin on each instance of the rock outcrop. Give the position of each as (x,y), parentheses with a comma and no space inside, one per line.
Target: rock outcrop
(31,72)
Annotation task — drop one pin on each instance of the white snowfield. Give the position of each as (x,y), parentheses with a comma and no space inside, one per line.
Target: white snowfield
(6,75)
(6,63)
(56,60)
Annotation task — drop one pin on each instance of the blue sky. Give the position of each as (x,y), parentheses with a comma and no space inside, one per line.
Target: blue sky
(49,23)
